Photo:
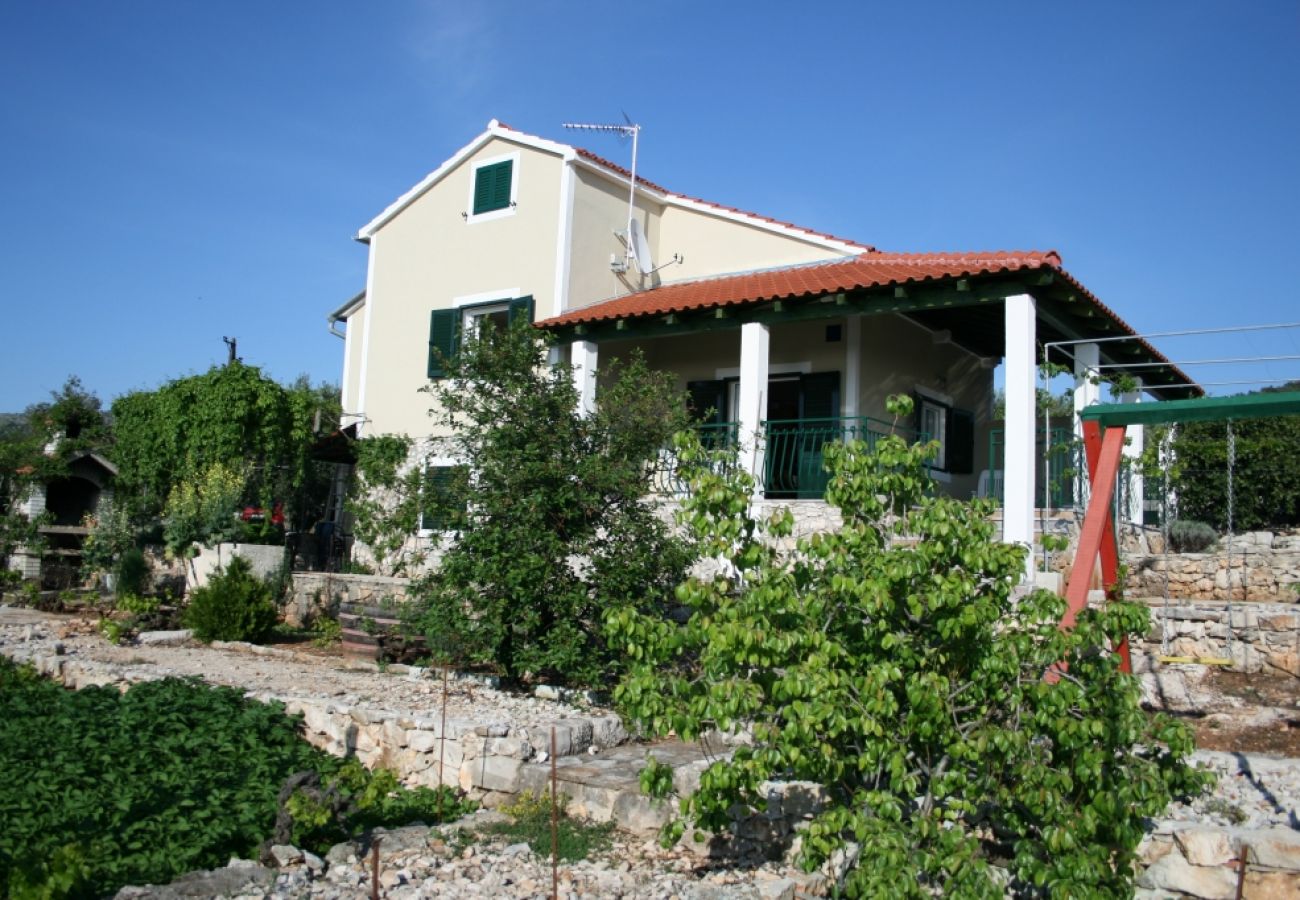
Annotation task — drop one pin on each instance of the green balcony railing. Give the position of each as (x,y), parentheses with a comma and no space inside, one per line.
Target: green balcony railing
(794,464)
(1066,462)
(793,452)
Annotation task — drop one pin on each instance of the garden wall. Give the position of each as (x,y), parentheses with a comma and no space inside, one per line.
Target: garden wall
(266,560)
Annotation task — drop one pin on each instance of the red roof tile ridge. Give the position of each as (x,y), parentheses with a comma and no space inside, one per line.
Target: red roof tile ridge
(1019,257)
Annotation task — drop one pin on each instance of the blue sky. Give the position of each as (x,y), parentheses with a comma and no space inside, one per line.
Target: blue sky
(176,172)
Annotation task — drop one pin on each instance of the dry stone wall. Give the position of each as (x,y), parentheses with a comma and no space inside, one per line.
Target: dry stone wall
(1256,637)
(321,593)
(1264,566)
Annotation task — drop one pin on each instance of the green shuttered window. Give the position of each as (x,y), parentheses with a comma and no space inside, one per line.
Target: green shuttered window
(492,186)
(446,326)
(444,339)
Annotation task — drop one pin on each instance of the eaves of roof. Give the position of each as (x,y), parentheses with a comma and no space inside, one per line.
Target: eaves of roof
(868,271)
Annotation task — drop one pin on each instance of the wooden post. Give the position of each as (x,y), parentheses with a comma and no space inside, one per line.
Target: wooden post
(555,827)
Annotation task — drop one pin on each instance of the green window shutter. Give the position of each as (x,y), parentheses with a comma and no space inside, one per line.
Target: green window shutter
(444,340)
(440,509)
(961,441)
(492,186)
(820,395)
(521,308)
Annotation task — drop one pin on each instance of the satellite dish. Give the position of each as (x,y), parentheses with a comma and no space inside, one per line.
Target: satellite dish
(640,247)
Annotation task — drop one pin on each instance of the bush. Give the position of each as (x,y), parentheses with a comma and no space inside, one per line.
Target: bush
(1187,536)
(102,789)
(132,573)
(889,663)
(233,606)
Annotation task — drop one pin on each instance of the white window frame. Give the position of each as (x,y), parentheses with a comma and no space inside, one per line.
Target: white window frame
(508,210)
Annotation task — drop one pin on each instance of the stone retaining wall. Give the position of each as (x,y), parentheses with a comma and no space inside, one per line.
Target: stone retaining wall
(481,758)
(1263,638)
(321,593)
(1202,861)
(1265,564)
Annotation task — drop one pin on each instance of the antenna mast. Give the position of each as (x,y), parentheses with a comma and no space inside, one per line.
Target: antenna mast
(627,130)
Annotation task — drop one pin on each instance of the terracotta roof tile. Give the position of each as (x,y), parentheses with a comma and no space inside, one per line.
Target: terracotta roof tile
(866,271)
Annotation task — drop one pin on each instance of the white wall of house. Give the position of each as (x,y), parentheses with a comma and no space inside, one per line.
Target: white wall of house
(429,255)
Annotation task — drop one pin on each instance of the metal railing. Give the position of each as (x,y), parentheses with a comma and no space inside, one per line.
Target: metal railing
(793,452)
(1067,466)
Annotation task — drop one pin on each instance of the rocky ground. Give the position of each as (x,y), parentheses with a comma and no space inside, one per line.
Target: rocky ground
(1189,853)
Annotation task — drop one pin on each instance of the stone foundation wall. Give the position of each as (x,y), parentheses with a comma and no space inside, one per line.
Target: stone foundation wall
(1263,638)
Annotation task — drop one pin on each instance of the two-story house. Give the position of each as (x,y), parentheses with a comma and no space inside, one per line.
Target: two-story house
(791,336)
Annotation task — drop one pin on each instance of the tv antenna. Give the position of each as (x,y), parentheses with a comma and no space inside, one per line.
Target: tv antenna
(632,130)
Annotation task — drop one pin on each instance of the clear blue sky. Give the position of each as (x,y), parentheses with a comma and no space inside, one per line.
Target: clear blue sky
(176,172)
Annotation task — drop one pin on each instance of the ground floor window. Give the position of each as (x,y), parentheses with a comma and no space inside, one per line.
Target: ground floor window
(439,510)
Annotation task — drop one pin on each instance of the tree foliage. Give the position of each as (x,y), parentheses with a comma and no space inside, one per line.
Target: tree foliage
(549,524)
(888,663)
(1267,479)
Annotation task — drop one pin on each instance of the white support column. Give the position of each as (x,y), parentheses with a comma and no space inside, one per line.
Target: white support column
(755,342)
(583,355)
(1087,391)
(1020,464)
(852,367)
(1133,449)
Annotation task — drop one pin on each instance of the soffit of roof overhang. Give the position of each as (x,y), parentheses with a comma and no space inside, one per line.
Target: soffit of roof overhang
(969,307)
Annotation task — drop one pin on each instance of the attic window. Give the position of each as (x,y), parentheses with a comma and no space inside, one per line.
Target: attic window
(493,188)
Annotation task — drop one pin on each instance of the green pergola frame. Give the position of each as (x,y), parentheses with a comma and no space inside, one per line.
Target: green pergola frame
(1104,426)
(1202,409)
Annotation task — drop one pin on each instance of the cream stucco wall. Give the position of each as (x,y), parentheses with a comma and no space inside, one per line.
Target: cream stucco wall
(709,243)
(712,245)
(429,255)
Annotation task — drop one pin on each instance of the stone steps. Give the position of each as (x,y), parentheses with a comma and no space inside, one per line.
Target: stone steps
(606,786)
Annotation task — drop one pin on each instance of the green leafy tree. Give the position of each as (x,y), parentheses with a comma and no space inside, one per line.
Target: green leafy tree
(204,508)
(550,527)
(888,663)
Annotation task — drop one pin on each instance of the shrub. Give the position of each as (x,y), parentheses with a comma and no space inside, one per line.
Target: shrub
(132,573)
(103,788)
(1187,536)
(233,606)
(889,663)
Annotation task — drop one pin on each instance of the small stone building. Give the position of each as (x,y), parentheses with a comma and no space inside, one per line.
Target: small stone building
(66,501)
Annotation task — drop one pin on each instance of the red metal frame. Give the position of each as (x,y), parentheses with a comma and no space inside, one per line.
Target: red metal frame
(1097,537)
